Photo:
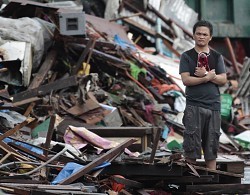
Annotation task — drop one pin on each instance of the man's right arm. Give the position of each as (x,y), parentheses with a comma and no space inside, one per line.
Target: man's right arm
(192,80)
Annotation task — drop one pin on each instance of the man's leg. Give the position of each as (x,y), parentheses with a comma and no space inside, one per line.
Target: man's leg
(211,164)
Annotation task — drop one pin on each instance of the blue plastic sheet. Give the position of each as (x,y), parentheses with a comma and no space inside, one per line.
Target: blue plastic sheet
(30,147)
(70,168)
(123,43)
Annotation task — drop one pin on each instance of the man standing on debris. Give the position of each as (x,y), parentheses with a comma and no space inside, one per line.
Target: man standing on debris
(202,72)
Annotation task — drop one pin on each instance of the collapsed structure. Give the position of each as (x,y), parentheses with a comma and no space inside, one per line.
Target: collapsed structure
(82,104)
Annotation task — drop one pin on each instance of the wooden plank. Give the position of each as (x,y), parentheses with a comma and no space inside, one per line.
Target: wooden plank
(108,155)
(29,109)
(90,44)
(14,130)
(212,171)
(138,117)
(220,188)
(45,89)
(49,134)
(44,69)
(190,179)
(155,145)
(26,101)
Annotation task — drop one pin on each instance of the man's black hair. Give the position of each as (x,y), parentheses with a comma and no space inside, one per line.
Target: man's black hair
(203,23)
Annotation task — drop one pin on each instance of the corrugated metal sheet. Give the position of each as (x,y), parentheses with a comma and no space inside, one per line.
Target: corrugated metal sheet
(180,13)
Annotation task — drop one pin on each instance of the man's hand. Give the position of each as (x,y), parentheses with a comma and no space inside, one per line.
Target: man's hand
(200,71)
(211,75)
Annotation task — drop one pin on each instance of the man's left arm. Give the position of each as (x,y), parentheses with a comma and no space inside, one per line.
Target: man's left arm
(221,76)
(220,79)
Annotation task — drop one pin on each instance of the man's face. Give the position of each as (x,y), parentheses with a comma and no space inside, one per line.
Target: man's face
(202,36)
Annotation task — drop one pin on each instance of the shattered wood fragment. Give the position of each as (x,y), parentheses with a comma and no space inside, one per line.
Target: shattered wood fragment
(45,89)
(49,134)
(130,118)
(97,162)
(26,101)
(44,69)
(155,144)
(137,116)
(97,172)
(194,172)
(29,109)
(14,130)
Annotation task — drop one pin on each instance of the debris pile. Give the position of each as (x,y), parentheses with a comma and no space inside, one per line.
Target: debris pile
(86,110)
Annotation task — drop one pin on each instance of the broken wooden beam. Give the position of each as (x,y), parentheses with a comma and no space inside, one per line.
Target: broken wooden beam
(46,89)
(103,55)
(108,155)
(90,45)
(235,188)
(155,145)
(49,135)
(26,101)
(44,69)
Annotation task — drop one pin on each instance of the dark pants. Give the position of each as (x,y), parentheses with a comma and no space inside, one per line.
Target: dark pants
(202,131)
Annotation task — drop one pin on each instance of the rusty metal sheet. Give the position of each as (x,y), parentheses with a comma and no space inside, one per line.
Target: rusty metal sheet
(108,28)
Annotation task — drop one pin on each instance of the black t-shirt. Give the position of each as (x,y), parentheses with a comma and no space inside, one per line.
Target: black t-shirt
(206,95)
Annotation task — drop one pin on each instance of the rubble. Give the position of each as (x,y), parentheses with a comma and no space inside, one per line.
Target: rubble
(86,110)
